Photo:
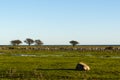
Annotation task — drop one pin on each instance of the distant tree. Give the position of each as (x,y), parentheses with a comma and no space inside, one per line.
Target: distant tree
(29,41)
(16,42)
(38,42)
(74,42)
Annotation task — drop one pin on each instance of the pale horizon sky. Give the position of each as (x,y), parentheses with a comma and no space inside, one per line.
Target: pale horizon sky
(56,22)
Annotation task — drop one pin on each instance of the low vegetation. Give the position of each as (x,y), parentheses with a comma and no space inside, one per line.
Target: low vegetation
(31,64)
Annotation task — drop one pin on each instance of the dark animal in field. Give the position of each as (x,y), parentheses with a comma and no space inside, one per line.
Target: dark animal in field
(109,48)
(82,67)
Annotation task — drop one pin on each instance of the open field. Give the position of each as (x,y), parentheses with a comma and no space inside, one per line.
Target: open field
(58,64)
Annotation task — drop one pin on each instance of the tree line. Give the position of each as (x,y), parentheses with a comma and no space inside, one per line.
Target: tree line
(30,41)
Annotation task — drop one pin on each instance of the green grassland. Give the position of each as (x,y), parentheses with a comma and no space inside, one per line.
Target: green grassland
(58,65)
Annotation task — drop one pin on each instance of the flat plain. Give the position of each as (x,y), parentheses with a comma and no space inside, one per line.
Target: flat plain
(18,63)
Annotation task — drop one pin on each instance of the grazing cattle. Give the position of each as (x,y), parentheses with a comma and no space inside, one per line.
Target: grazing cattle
(82,67)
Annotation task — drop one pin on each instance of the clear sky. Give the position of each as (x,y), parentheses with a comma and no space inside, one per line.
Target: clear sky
(59,21)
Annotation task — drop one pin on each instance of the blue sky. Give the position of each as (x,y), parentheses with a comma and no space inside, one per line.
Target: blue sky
(59,21)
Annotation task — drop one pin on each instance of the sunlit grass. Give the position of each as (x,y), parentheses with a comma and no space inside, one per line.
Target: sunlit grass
(62,66)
